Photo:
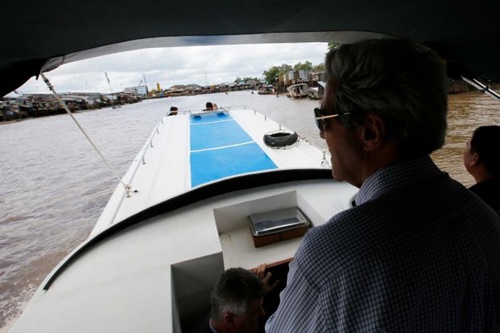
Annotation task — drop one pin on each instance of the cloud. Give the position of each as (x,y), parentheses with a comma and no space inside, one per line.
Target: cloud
(175,65)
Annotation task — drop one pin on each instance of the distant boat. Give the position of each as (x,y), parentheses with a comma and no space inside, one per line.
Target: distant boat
(317,92)
(314,93)
(300,90)
(266,89)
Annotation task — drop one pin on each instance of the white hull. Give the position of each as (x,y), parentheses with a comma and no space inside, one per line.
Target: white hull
(152,259)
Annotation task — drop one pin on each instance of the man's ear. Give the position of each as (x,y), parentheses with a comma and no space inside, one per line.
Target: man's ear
(229,320)
(474,161)
(373,132)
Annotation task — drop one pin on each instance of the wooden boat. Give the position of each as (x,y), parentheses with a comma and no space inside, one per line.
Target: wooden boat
(266,89)
(314,93)
(300,90)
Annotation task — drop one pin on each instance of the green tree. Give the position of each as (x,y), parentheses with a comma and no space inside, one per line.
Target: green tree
(307,66)
(246,79)
(271,75)
(284,68)
(319,68)
(334,46)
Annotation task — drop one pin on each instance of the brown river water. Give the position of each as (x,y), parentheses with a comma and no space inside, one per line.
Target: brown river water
(53,185)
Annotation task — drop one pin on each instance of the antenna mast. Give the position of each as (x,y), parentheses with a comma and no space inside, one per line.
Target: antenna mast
(146,84)
(111,92)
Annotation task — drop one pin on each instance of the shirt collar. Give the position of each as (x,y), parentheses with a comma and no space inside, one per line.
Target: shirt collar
(395,176)
(211,327)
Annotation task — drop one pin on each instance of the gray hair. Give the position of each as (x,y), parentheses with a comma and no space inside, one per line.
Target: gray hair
(402,81)
(234,291)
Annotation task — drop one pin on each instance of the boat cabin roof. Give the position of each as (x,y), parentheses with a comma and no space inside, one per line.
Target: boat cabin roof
(465,34)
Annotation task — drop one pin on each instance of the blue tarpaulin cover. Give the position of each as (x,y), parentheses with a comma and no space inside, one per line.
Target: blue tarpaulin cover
(221,148)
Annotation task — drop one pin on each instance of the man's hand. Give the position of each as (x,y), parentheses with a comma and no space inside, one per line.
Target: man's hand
(265,278)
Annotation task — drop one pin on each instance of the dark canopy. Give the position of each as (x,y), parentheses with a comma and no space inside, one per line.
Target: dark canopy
(41,35)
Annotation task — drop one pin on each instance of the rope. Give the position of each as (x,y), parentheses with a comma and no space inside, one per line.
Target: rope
(113,171)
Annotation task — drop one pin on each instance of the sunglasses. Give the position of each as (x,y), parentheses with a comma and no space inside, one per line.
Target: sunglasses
(320,118)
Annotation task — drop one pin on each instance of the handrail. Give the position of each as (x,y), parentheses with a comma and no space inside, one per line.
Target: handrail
(139,157)
(482,87)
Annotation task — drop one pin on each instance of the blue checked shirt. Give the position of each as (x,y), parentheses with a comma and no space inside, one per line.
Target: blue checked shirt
(418,253)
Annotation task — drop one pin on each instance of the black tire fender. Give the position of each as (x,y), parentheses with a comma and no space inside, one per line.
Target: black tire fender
(281,138)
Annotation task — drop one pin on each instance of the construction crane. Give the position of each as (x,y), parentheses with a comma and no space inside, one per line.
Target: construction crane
(145,85)
(113,104)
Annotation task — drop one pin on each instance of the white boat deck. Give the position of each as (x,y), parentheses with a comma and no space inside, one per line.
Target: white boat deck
(155,275)
(163,169)
(153,258)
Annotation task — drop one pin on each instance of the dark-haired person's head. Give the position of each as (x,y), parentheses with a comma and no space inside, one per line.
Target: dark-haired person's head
(173,111)
(236,302)
(209,106)
(481,155)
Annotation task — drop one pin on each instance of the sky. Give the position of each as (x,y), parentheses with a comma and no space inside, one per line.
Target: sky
(203,65)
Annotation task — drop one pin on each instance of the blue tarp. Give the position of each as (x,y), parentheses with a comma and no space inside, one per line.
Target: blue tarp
(221,148)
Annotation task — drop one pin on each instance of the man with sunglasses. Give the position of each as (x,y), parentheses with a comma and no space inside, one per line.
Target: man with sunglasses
(417,252)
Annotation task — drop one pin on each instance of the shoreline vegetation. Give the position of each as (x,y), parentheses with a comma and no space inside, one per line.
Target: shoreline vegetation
(40,105)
